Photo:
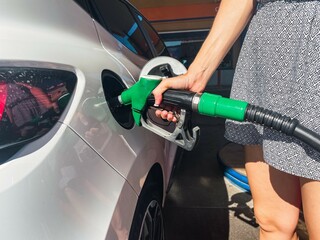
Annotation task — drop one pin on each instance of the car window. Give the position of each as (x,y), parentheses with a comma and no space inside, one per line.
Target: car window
(116,17)
(82,3)
(158,44)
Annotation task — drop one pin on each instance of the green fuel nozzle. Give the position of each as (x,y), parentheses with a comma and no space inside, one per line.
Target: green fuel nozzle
(206,104)
(217,106)
(139,96)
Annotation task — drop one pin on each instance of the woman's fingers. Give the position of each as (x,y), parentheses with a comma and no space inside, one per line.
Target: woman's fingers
(178,82)
(159,90)
(170,114)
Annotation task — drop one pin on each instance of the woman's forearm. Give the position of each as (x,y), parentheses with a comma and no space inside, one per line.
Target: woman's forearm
(232,17)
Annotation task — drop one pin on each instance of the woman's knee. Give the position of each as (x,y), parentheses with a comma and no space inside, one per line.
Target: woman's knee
(276,221)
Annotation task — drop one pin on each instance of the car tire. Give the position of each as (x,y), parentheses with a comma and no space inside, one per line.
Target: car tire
(148,218)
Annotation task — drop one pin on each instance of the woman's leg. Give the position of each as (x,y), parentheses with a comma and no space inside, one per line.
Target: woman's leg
(276,197)
(310,191)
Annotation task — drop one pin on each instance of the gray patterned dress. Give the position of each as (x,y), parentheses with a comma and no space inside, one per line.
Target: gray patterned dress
(279,69)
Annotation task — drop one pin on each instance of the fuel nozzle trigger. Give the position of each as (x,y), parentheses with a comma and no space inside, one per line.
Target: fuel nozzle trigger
(182,135)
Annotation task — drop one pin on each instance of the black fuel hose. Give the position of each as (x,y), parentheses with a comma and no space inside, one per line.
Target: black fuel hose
(190,101)
(282,123)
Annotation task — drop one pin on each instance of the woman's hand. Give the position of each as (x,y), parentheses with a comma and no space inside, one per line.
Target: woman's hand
(183,82)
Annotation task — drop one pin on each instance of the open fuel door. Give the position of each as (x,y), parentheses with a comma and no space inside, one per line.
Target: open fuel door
(182,133)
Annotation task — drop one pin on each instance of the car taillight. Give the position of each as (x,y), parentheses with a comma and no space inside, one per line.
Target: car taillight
(31,102)
(3,97)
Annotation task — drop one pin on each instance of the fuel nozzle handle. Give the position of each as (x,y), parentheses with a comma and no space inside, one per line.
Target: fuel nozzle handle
(177,98)
(217,106)
(206,104)
(139,96)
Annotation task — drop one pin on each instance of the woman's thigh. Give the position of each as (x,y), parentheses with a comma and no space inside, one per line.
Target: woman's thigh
(276,195)
(310,191)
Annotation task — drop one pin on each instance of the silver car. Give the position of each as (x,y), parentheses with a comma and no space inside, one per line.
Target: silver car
(72,167)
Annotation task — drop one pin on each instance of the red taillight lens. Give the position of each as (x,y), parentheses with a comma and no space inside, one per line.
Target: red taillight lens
(31,101)
(3,98)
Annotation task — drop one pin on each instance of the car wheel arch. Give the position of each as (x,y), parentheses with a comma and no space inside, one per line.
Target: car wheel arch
(155,177)
(150,198)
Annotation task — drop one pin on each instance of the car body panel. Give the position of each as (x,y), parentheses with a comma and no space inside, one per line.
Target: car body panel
(72,196)
(106,42)
(45,41)
(82,179)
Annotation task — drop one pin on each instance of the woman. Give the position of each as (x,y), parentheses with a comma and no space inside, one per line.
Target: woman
(278,69)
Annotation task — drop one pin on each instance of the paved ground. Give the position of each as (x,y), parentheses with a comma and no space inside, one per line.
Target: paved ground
(202,204)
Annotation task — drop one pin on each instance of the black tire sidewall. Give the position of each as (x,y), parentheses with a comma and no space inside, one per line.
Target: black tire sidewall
(148,194)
